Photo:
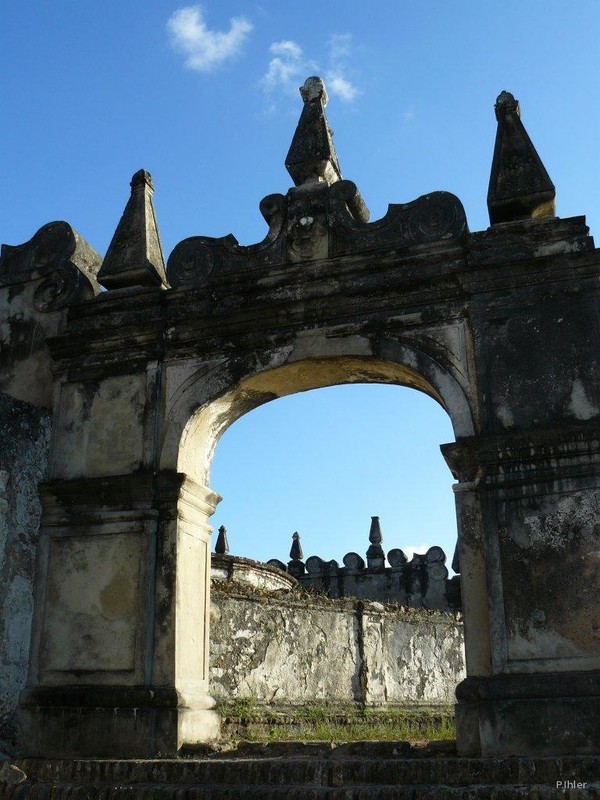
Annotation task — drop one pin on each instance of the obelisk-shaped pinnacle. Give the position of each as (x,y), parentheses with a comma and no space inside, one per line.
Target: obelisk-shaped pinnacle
(134,256)
(520,187)
(311,157)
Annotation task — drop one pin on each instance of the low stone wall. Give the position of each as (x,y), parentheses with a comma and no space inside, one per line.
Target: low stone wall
(292,648)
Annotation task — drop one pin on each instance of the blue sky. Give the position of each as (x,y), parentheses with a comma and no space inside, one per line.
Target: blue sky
(205,98)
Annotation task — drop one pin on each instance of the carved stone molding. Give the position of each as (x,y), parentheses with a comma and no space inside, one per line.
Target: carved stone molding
(64,263)
(532,457)
(314,223)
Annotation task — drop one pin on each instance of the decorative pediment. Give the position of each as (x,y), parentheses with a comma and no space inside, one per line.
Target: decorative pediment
(322,217)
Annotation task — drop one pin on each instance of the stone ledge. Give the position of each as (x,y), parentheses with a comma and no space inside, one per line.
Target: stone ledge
(322,764)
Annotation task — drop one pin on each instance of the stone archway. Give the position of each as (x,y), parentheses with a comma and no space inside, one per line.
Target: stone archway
(500,326)
(357,360)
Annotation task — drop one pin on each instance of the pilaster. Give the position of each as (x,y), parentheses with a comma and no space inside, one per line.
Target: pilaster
(538,496)
(119,659)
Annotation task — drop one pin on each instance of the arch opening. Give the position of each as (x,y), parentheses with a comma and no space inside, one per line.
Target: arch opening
(286,672)
(206,424)
(324,462)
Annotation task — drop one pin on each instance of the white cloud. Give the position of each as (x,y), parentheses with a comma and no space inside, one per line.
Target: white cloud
(338,83)
(340,47)
(205,49)
(286,48)
(340,86)
(411,550)
(289,67)
(286,68)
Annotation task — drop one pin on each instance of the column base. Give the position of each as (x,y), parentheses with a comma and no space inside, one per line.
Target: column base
(84,725)
(529,715)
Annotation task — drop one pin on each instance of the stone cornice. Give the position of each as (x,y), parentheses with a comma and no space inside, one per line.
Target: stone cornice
(525,457)
(420,286)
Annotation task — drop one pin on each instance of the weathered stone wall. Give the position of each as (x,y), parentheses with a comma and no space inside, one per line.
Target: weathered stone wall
(293,648)
(24,440)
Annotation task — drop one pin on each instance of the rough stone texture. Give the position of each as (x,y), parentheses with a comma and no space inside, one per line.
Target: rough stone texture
(520,187)
(361,771)
(291,650)
(134,256)
(411,657)
(24,437)
(311,156)
(39,280)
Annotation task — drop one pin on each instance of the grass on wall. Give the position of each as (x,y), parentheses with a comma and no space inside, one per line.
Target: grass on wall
(245,719)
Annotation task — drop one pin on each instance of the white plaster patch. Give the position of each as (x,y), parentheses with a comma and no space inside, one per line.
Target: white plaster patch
(115,426)
(505,415)
(92,602)
(556,248)
(9,311)
(242,635)
(580,406)
(538,642)
(555,528)
(407,319)
(309,345)
(217,573)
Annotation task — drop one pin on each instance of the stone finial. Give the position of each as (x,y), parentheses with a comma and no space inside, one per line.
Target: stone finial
(436,573)
(222,545)
(505,102)
(353,562)
(520,187)
(296,567)
(375,535)
(375,554)
(417,578)
(296,548)
(275,562)
(396,558)
(315,565)
(134,256)
(311,157)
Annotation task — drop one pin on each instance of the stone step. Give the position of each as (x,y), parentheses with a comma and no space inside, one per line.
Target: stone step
(334,769)
(28,791)
(319,772)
